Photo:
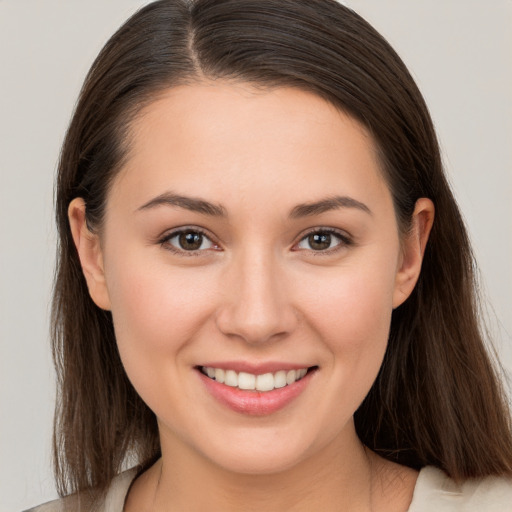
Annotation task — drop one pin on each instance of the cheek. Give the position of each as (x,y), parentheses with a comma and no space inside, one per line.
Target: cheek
(154,303)
(352,317)
(157,310)
(353,305)
(353,325)
(357,331)
(158,313)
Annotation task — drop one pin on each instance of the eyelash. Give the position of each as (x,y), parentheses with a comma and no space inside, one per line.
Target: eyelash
(165,241)
(343,238)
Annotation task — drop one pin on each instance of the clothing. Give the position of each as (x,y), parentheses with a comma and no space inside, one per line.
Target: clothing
(434,492)
(114,500)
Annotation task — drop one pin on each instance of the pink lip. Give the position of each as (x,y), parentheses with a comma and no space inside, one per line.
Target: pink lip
(255,403)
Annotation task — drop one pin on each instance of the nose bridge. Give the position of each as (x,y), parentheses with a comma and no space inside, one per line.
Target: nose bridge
(258,307)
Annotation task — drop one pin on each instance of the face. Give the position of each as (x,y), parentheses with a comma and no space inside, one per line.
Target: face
(250,236)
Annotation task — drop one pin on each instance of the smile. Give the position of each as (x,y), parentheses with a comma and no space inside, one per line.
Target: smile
(260,393)
(252,382)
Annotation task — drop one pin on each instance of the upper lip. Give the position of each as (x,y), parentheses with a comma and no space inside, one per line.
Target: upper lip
(255,368)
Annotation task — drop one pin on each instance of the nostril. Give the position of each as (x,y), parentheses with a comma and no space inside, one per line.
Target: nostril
(256,324)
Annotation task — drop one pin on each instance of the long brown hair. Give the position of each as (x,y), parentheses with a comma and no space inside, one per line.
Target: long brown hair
(437,398)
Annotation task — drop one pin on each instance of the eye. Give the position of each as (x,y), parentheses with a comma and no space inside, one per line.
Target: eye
(188,240)
(323,240)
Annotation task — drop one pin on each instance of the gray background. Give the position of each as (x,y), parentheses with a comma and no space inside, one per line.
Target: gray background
(459,51)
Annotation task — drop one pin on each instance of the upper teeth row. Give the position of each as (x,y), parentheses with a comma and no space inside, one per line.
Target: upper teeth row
(264,382)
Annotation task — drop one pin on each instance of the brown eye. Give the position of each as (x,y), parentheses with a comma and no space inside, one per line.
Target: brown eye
(319,241)
(323,240)
(188,241)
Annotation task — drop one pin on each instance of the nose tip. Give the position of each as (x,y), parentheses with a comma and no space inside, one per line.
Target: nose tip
(257,308)
(254,325)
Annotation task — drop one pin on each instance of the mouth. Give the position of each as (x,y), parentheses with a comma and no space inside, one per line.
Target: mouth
(251,382)
(258,393)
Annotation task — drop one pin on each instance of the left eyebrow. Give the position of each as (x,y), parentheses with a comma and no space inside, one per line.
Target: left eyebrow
(327,204)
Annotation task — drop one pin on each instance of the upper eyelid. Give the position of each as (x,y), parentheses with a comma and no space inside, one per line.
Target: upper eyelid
(345,240)
(164,241)
(168,234)
(334,231)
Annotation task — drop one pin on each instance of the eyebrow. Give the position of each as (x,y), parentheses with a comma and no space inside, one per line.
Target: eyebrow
(188,203)
(215,210)
(324,205)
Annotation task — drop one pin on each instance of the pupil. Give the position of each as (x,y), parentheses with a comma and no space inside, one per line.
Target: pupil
(320,241)
(191,241)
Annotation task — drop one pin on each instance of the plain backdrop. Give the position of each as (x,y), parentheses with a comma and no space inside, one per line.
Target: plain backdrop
(460,52)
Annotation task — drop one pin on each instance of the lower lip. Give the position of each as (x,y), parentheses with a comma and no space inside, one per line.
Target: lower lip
(255,403)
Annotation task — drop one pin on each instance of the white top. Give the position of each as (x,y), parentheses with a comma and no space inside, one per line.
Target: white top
(434,491)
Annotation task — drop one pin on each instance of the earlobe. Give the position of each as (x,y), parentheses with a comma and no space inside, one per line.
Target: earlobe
(90,253)
(413,249)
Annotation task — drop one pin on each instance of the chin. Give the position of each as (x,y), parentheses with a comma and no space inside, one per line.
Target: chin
(263,450)
(258,461)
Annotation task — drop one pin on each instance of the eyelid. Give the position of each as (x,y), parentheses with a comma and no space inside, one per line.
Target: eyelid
(345,239)
(163,240)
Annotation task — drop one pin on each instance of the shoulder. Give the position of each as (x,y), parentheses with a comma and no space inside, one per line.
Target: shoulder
(66,504)
(435,490)
(112,502)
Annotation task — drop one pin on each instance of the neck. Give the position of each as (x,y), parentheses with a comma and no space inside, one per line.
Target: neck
(338,476)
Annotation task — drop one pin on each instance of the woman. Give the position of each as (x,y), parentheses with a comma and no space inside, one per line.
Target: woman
(265,288)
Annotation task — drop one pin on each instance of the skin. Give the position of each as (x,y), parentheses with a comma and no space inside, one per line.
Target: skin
(255,291)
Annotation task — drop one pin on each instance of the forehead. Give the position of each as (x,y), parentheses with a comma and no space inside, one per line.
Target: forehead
(221,138)
(223,107)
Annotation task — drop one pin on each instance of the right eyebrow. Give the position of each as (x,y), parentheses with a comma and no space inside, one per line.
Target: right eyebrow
(193,204)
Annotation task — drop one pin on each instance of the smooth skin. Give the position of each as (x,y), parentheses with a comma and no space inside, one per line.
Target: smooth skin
(277,270)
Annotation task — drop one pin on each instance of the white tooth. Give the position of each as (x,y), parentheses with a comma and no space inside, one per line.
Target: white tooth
(219,375)
(210,372)
(265,382)
(231,378)
(280,379)
(302,372)
(246,380)
(291,377)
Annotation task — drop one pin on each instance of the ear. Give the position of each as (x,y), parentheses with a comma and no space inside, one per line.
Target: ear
(89,251)
(413,249)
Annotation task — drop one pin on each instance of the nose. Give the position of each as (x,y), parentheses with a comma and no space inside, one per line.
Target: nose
(257,305)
